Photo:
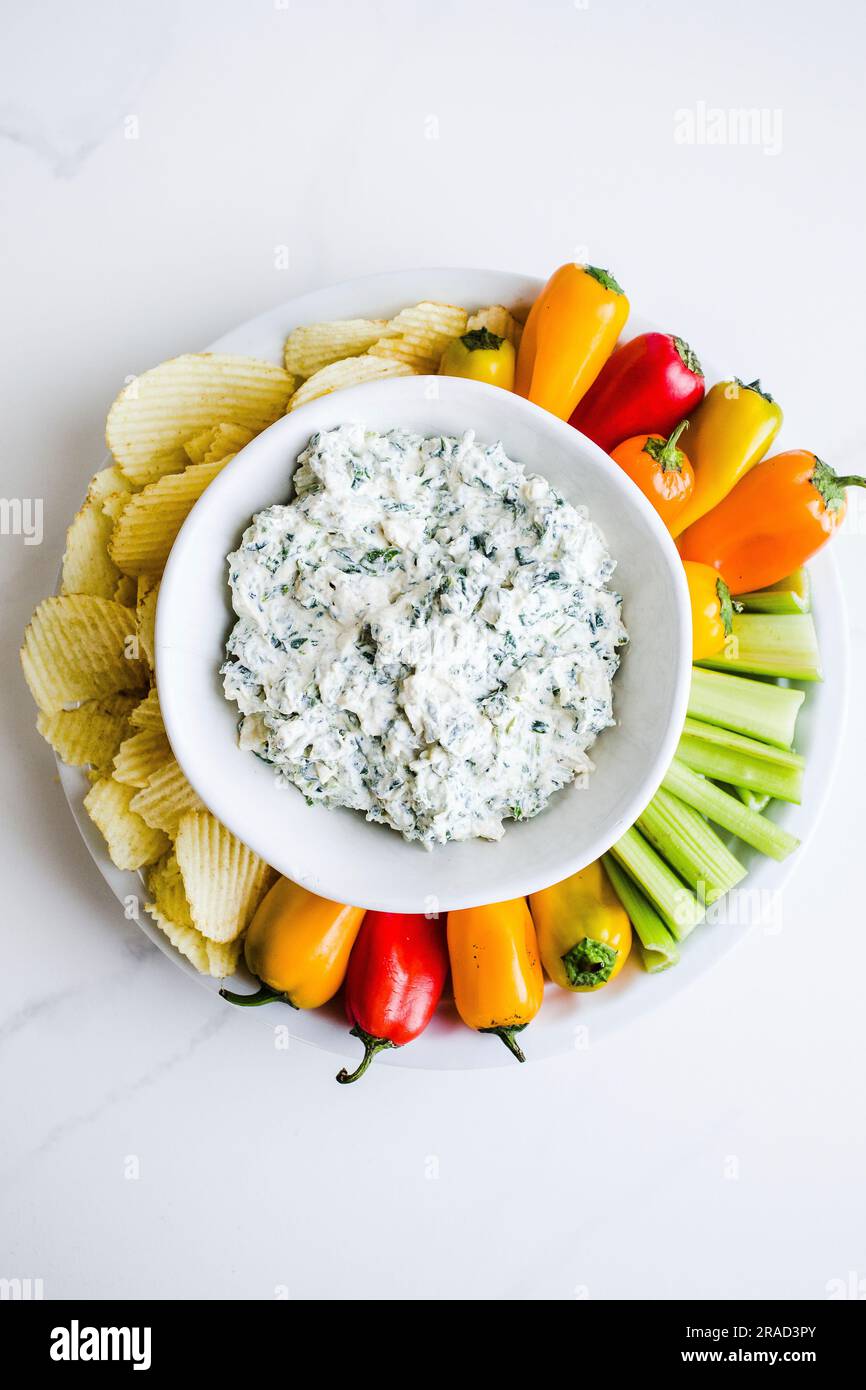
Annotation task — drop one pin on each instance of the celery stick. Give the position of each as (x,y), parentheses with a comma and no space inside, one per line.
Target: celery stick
(728,811)
(690,846)
(657,947)
(740,743)
(763,644)
(767,712)
(793,594)
(741,769)
(752,799)
(677,905)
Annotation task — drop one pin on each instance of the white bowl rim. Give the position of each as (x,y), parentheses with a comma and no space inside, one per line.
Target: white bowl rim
(216,794)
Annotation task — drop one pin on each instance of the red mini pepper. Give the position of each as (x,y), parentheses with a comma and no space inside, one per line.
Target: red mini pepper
(646,387)
(397,971)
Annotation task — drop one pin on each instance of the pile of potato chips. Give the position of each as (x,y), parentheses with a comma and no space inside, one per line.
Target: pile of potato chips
(88,653)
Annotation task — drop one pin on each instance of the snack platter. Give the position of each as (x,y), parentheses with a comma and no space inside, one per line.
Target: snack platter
(564,1024)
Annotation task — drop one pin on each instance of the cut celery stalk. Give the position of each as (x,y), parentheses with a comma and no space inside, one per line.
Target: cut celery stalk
(676,904)
(740,743)
(753,800)
(762,644)
(728,811)
(658,949)
(741,769)
(793,594)
(762,711)
(690,846)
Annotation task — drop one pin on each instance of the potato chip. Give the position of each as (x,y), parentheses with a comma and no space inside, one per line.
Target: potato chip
(87,565)
(115,505)
(149,524)
(140,756)
(131,842)
(80,647)
(216,442)
(157,412)
(223,879)
(165,883)
(208,957)
(146,714)
(166,797)
(126,591)
(223,956)
(196,447)
(107,483)
(496,319)
(145,612)
(419,335)
(225,440)
(351,372)
(316,345)
(89,734)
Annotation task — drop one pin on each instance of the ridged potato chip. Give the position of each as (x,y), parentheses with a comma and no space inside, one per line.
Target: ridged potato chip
(223,879)
(350,372)
(419,335)
(80,647)
(226,440)
(216,442)
(149,524)
(496,319)
(165,883)
(156,413)
(209,958)
(87,565)
(196,447)
(185,939)
(131,842)
(140,756)
(145,613)
(166,798)
(107,483)
(126,591)
(147,714)
(91,733)
(316,345)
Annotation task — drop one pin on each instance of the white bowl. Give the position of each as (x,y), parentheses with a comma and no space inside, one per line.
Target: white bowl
(336,853)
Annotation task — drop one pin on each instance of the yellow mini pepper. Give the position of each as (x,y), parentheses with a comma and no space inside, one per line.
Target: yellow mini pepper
(712,609)
(584,933)
(729,432)
(495,970)
(480,356)
(298,945)
(570,333)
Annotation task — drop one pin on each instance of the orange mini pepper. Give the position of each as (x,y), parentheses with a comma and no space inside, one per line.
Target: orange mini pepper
(570,333)
(772,522)
(495,969)
(712,610)
(661,470)
(298,945)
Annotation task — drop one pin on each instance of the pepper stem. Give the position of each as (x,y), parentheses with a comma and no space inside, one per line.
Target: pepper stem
(688,357)
(263,995)
(507,1036)
(831,487)
(667,453)
(371,1047)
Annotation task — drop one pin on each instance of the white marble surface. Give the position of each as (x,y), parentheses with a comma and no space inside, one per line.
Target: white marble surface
(156,1144)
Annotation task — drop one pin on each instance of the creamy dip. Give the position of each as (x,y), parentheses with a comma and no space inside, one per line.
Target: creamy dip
(424,634)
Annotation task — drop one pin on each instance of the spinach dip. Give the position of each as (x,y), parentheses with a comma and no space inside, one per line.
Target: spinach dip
(424,634)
